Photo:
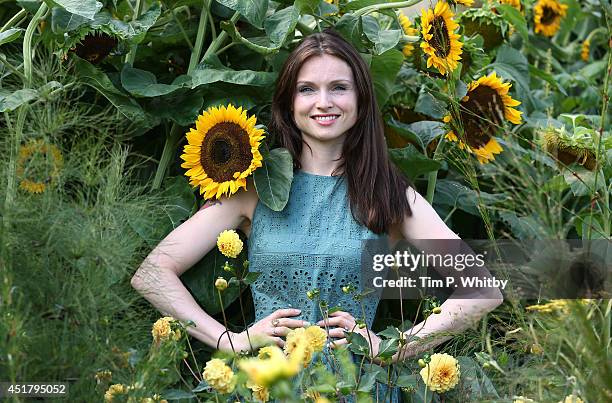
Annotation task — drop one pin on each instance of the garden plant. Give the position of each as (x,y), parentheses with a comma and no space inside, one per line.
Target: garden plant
(119,119)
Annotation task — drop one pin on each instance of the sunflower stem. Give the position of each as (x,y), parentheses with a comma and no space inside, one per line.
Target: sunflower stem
(131,56)
(197,50)
(13,21)
(384,6)
(178,22)
(169,149)
(604,112)
(5,262)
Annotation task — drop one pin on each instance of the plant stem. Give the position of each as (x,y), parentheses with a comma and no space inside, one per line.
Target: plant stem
(175,134)
(131,56)
(197,50)
(182,30)
(225,321)
(384,6)
(12,68)
(604,111)
(13,20)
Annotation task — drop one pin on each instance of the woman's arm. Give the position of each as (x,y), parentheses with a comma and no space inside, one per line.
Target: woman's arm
(457,314)
(157,278)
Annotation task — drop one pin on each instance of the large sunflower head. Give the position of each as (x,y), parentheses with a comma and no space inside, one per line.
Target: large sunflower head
(222,151)
(484,21)
(95,46)
(440,42)
(482,111)
(547,15)
(409,30)
(568,148)
(38,165)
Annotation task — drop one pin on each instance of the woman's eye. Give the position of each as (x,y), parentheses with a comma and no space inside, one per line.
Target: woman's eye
(339,88)
(304,89)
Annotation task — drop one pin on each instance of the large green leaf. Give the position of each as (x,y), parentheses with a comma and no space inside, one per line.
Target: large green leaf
(142,83)
(273,179)
(412,162)
(454,194)
(139,28)
(181,106)
(515,18)
(421,133)
(84,8)
(429,105)
(280,25)
(383,39)
(91,76)
(384,69)
(253,10)
(203,75)
(307,6)
(16,99)
(10,35)
(511,64)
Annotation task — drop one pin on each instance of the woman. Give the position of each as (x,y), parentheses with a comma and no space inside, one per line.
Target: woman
(344,190)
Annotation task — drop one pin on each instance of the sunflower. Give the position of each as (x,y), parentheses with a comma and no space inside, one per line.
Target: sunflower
(222,151)
(440,41)
(95,46)
(584,50)
(38,164)
(547,16)
(514,3)
(568,148)
(482,110)
(467,3)
(408,30)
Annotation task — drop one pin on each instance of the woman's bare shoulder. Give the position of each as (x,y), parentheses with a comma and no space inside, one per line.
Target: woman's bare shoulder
(243,202)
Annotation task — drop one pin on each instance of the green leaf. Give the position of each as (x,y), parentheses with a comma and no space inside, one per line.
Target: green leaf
(412,162)
(140,27)
(273,179)
(16,99)
(10,35)
(181,106)
(84,8)
(64,21)
(515,18)
(358,343)
(391,332)
(454,194)
(582,181)
(251,277)
(203,75)
(280,25)
(91,76)
(428,105)
(177,394)
(512,65)
(526,227)
(387,348)
(384,70)
(307,6)
(383,39)
(253,10)
(142,83)
(535,72)
(348,27)
(367,381)
(474,382)
(406,381)
(180,200)
(357,4)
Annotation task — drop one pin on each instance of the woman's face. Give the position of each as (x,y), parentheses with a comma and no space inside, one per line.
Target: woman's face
(325,100)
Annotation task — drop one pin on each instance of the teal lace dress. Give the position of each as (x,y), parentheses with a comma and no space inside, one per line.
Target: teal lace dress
(314,242)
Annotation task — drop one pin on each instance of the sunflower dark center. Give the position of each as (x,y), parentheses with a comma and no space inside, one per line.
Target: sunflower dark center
(548,15)
(225,150)
(440,40)
(95,47)
(482,114)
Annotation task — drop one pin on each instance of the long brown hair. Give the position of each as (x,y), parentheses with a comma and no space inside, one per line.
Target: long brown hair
(376,189)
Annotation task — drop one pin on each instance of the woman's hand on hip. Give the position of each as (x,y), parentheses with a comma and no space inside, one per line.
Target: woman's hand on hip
(269,330)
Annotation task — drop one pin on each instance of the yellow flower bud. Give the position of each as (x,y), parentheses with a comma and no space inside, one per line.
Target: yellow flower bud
(221,284)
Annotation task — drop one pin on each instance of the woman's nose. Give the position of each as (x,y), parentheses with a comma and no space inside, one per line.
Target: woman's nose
(324,101)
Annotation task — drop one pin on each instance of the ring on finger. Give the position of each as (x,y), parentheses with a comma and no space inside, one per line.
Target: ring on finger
(275,322)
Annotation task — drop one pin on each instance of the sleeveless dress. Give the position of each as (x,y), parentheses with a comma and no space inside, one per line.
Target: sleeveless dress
(314,242)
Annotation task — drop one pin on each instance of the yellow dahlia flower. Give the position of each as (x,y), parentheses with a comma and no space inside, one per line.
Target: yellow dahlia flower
(408,30)
(547,15)
(270,366)
(317,337)
(482,111)
(441,373)
(571,399)
(219,376)
(38,165)
(260,393)
(584,51)
(222,151)
(440,42)
(297,338)
(162,329)
(114,390)
(552,306)
(229,243)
